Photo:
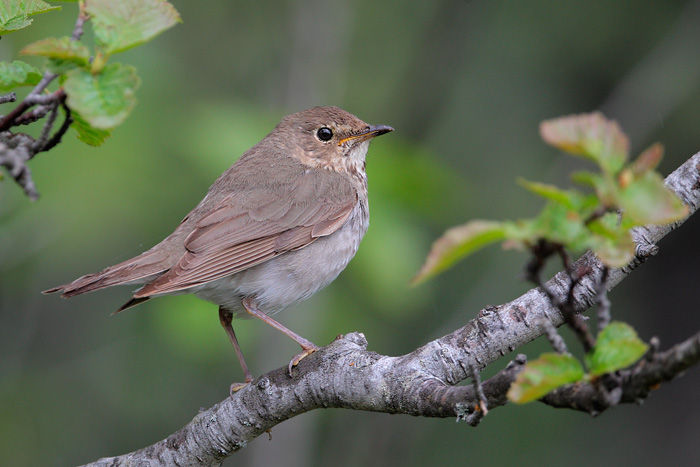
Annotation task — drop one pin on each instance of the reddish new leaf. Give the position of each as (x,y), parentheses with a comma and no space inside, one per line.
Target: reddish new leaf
(590,135)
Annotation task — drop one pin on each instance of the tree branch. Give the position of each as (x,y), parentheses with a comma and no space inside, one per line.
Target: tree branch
(18,149)
(423,383)
(634,384)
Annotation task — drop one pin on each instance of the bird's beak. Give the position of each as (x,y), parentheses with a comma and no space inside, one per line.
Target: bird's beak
(369,133)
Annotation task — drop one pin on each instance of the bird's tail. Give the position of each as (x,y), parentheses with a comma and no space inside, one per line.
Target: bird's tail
(138,270)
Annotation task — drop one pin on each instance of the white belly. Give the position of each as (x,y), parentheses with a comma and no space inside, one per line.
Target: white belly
(292,276)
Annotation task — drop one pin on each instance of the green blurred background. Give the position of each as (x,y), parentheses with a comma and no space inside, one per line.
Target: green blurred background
(465,84)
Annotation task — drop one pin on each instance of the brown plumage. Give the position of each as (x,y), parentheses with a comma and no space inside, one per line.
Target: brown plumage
(278,225)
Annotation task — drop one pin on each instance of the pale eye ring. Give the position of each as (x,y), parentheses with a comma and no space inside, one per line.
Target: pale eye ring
(324,133)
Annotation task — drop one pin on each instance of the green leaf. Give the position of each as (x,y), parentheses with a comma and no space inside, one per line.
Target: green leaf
(87,133)
(589,135)
(571,217)
(614,252)
(457,243)
(647,200)
(63,49)
(569,198)
(618,347)
(586,178)
(121,25)
(543,375)
(557,224)
(104,100)
(60,67)
(14,13)
(16,74)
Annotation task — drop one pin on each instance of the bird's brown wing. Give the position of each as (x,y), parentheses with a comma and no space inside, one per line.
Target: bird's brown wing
(253,226)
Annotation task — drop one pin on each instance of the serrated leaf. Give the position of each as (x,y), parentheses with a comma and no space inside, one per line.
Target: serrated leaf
(647,200)
(104,100)
(14,14)
(541,376)
(457,243)
(16,74)
(589,135)
(87,133)
(121,25)
(617,347)
(63,49)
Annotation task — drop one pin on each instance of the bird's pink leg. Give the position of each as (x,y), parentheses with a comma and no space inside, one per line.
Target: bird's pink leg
(308,346)
(225,317)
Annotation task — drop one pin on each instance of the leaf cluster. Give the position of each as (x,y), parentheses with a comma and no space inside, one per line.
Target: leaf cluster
(617,197)
(617,347)
(15,15)
(99,94)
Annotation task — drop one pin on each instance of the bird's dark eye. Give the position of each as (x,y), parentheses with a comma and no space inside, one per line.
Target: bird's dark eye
(324,133)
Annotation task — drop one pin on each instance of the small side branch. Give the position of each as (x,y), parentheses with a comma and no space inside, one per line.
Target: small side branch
(634,384)
(603,301)
(56,138)
(566,304)
(16,150)
(481,406)
(11,97)
(555,340)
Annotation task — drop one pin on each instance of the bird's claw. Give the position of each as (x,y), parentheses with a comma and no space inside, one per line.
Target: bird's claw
(297,358)
(235,387)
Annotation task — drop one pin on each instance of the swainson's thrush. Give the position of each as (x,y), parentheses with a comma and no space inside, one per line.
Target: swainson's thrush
(276,227)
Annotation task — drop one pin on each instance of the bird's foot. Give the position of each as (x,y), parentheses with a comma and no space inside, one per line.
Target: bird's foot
(235,387)
(308,350)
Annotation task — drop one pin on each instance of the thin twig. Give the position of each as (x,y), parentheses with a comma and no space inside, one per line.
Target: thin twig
(14,152)
(56,138)
(32,98)
(39,144)
(603,301)
(540,252)
(11,97)
(575,321)
(33,115)
(556,341)
(79,22)
(481,406)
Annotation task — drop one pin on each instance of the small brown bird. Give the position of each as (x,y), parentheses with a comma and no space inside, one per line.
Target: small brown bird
(276,227)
